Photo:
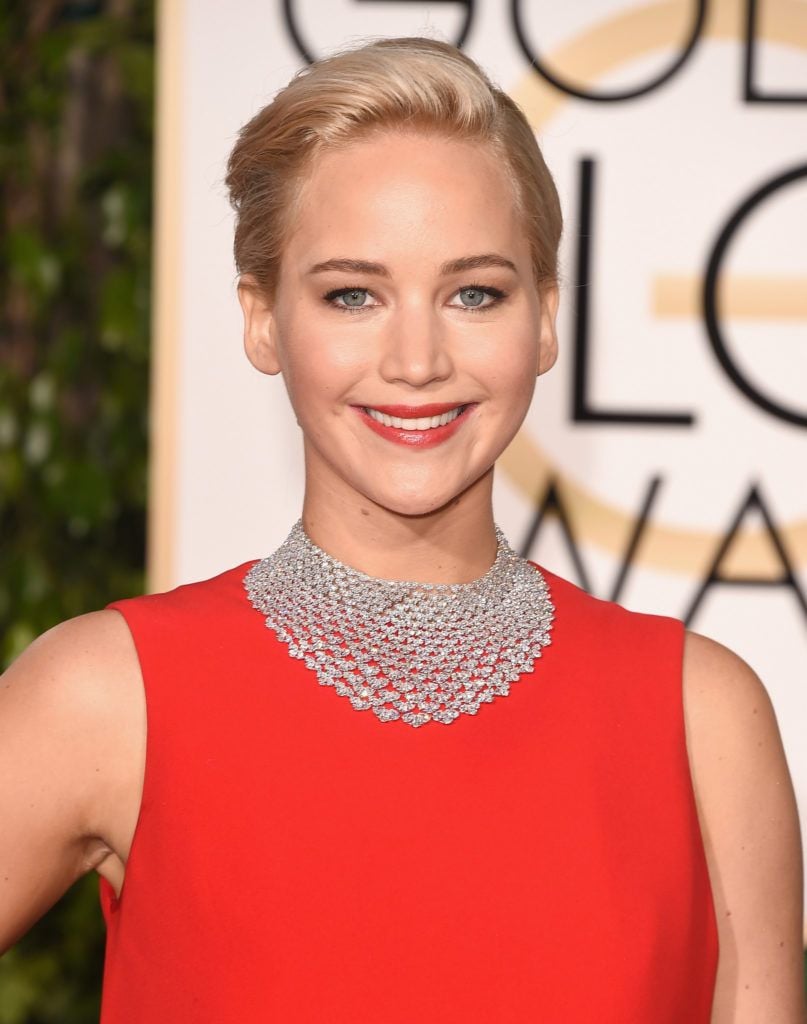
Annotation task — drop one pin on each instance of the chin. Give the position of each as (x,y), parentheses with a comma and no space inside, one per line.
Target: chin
(414,508)
(415,502)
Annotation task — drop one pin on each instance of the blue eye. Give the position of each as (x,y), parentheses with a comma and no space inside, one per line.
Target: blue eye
(473,296)
(353,298)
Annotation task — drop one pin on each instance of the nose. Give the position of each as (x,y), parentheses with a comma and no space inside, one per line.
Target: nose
(415,348)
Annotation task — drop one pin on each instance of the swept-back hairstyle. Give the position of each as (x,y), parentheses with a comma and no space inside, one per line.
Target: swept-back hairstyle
(411,83)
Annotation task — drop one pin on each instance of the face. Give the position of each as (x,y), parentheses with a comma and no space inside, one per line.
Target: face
(405,322)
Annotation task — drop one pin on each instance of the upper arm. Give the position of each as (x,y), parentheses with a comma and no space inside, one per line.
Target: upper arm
(61,760)
(750,826)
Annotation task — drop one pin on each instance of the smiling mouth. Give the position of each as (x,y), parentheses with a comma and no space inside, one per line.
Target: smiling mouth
(415,423)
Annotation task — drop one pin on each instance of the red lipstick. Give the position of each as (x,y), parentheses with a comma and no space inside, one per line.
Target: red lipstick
(428,438)
(413,412)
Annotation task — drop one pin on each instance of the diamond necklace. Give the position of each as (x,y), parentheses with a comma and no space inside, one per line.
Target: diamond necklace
(420,652)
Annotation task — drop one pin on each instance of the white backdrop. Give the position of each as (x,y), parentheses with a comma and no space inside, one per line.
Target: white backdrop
(663,462)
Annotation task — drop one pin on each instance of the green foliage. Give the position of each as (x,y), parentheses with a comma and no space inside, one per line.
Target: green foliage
(76,97)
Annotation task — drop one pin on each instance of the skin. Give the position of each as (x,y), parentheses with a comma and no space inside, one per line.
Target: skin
(72,711)
(400,513)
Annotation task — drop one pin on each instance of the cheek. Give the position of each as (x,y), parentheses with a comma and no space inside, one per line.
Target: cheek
(308,389)
(318,367)
(510,368)
(303,376)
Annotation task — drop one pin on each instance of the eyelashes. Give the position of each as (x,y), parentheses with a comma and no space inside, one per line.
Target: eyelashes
(338,293)
(496,294)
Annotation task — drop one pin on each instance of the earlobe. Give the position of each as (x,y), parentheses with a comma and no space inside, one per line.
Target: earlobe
(259,326)
(548,346)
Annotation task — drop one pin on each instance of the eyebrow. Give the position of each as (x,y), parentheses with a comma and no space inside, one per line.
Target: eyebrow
(350,266)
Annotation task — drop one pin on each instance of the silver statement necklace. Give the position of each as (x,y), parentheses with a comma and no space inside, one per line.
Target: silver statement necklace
(421,652)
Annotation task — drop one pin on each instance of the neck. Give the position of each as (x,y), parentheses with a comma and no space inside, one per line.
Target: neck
(452,544)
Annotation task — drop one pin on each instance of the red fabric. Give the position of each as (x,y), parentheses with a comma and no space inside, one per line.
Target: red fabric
(298,861)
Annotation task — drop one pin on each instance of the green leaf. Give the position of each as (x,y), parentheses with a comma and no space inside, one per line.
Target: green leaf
(75,266)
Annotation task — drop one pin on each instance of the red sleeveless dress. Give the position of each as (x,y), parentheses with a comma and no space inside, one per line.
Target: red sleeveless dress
(297,861)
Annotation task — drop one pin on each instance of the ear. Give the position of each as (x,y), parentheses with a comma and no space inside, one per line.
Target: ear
(548,344)
(260,329)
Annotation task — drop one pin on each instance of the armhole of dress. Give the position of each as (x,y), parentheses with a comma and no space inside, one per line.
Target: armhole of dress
(110,903)
(698,828)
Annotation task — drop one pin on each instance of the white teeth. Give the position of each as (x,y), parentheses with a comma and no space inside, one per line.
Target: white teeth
(422,423)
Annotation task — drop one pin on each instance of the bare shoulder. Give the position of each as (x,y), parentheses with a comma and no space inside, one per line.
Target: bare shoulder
(728,710)
(82,670)
(749,821)
(720,680)
(72,742)
(78,642)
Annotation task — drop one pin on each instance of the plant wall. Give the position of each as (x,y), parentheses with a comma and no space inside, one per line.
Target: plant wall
(76,116)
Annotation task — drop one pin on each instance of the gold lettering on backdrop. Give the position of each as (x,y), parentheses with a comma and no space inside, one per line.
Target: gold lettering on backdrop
(741,296)
(585,59)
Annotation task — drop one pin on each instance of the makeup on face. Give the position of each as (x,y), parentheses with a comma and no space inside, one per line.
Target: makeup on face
(406,322)
(418,426)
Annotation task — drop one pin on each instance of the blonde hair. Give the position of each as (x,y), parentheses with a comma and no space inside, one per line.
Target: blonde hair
(409,83)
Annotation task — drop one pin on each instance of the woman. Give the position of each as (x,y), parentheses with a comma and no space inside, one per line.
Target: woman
(476,795)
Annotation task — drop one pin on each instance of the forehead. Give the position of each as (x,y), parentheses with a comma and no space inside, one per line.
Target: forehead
(416,193)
